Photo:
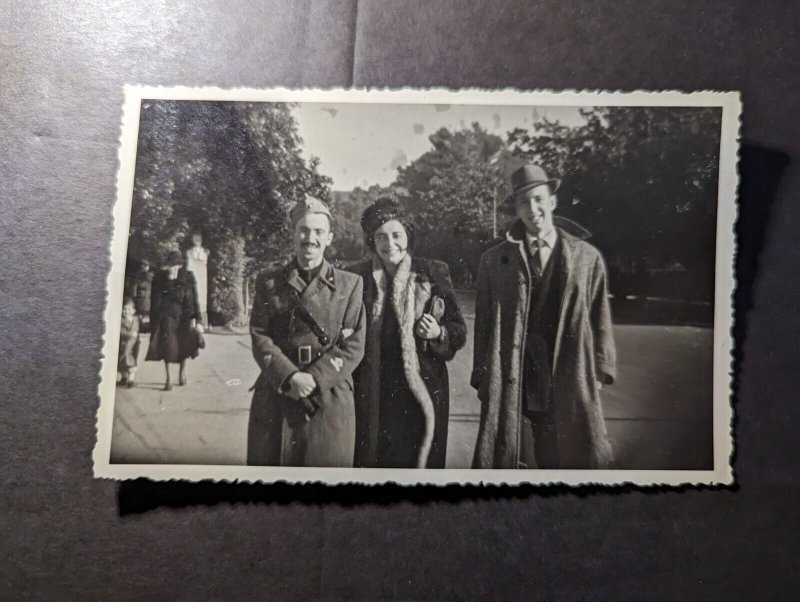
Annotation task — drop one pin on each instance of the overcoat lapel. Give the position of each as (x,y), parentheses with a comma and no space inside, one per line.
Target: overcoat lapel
(516,235)
(565,268)
(293,278)
(324,279)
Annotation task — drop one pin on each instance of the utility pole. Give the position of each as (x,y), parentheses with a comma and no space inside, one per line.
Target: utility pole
(494,216)
(493,162)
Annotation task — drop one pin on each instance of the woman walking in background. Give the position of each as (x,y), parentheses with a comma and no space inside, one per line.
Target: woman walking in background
(174,315)
(414,326)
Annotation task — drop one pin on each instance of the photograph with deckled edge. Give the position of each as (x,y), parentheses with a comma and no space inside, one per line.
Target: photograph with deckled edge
(421,287)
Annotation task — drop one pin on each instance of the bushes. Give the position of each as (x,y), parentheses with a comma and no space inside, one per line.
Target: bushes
(226,281)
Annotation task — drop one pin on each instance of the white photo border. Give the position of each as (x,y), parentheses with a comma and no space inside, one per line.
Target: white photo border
(720,474)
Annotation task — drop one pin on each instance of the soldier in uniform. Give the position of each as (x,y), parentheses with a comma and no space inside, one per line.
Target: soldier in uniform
(308,333)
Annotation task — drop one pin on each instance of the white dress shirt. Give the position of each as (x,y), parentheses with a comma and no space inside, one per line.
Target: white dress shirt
(545,249)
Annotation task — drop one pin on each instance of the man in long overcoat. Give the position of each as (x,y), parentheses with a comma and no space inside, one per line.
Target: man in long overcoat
(308,331)
(543,340)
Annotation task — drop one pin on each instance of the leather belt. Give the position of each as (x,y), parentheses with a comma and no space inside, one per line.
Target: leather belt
(306,354)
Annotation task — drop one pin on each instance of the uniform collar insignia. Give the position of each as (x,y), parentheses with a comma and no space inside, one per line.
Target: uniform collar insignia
(328,275)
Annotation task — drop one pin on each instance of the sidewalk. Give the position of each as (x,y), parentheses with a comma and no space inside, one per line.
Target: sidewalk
(204,422)
(658,412)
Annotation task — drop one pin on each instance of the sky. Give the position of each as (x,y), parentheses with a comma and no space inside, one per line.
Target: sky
(362,144)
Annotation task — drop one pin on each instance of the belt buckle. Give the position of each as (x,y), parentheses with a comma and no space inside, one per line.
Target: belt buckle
(304,354)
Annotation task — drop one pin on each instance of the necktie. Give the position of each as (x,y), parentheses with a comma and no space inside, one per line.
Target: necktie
(536,256)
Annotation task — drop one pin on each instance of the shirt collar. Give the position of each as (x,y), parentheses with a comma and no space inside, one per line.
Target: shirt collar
(326,275)
(548,239)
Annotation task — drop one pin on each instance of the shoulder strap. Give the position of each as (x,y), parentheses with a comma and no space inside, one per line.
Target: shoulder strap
(308,319)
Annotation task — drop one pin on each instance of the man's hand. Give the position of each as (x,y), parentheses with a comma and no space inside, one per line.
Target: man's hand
(428,327)
(301,384)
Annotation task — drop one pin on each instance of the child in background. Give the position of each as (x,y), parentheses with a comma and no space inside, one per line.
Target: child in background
(128,344)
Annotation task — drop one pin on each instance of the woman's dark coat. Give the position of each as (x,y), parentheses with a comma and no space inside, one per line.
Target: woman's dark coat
(415,285)
(173,306)
(584,354)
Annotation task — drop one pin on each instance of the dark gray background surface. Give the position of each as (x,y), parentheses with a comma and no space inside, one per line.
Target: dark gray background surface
(64,534)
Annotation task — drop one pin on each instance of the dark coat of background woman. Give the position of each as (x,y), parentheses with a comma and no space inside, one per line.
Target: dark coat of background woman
(173,306)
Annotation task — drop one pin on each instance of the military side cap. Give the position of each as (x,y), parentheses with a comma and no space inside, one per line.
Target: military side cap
(309,205)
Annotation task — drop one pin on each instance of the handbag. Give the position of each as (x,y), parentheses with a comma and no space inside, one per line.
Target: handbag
(437,307)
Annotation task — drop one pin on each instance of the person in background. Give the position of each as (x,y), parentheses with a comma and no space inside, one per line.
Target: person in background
(174,318)
(414,326)
(141,291)
(128,344)
(544,344)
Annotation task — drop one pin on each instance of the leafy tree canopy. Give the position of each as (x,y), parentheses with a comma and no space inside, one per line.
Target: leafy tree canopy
(229,170)
(222,168)
(643,180)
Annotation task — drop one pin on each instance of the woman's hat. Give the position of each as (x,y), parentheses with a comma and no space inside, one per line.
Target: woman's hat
(381,211)
(527,177)
(174,258)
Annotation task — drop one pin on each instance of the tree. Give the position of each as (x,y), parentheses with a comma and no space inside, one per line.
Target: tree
(229,170)
(642,179)
(451,192)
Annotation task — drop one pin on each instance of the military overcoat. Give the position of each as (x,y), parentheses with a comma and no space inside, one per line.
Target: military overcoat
(280,430)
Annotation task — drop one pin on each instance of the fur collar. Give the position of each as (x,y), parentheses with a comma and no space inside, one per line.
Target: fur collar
(410,292)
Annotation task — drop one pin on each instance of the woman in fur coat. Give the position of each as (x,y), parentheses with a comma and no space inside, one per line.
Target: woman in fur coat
(414,326)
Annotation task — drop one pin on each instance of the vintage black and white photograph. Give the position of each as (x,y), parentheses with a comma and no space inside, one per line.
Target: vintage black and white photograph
(421,286)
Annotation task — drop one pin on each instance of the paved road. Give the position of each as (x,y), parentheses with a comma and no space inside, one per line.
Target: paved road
(658,412)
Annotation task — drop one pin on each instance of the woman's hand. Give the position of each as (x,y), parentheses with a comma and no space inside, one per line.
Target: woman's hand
(428,328)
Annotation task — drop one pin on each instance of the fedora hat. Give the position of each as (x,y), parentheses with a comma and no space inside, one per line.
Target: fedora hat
(527,177)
